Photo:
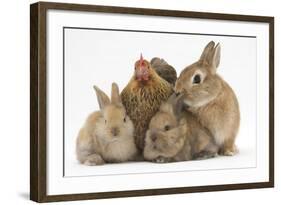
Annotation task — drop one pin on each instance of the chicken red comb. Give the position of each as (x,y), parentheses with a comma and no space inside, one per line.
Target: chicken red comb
(141,59)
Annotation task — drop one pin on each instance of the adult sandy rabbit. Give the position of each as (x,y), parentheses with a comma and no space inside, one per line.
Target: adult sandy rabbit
(211,99)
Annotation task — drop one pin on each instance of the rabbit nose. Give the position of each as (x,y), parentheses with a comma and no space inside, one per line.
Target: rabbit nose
(178,93)
(115,131)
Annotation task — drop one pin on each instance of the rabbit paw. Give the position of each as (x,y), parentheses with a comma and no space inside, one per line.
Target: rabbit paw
(229,152)
(161,160)
(205,155)
(94,160)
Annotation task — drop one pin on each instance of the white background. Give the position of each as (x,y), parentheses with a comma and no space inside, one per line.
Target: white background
(101,57)
(15,102)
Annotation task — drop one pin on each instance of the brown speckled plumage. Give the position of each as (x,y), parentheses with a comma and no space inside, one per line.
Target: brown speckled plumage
(164,70)
(142,101)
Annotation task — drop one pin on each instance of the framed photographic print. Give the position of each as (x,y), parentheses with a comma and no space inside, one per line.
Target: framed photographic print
(133,102)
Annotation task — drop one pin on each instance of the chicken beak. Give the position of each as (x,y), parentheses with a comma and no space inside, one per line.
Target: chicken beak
(142,73)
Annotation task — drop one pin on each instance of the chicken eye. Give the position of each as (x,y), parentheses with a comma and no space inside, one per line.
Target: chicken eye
(104,121)
(167,127)
(196,79)
(124,119)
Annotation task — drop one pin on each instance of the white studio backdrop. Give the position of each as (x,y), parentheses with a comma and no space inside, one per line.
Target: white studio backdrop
(15,104)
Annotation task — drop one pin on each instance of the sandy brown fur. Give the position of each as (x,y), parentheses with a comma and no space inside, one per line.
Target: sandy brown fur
(185,140)
(212,101)
(107,135)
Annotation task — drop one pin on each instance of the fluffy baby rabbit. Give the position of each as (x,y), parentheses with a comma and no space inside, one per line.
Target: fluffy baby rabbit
(175,135)
(107,135)
(211,99)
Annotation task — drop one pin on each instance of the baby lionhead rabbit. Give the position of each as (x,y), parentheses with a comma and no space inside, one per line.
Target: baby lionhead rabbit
(107,135)
(211,99)
(175,135)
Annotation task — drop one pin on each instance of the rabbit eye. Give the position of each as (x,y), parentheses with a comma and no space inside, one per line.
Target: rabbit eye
(167,127)
(124,119)
(196,79)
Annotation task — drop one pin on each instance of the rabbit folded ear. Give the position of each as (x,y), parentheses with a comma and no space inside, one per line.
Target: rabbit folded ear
(103,99)
(182,125)
(115,96)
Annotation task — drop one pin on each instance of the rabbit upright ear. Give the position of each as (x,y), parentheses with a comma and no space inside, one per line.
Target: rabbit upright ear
(216,56)
(103,99)
(211,56)
(214,59)
(207,52)
(169,106)
(115,96)
(172,98)
(178,105)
